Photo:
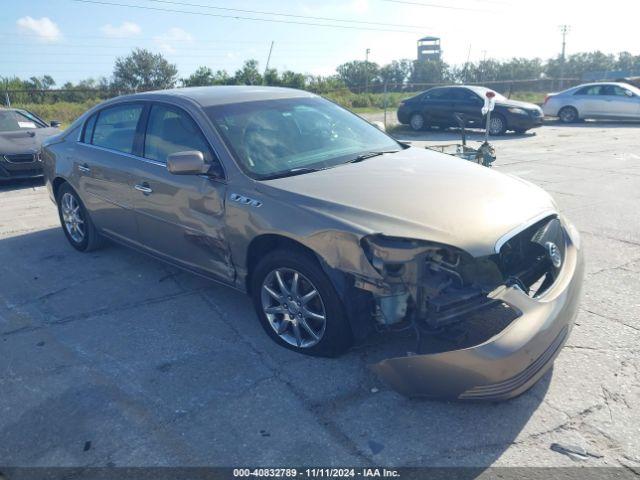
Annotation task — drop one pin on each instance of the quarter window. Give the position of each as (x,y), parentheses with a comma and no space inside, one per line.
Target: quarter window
(172,130)
(88,129)
(116,127)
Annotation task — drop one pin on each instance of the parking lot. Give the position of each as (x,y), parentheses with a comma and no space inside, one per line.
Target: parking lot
(113,358)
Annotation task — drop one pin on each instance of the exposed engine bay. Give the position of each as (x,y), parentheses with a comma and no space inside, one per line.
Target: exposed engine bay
(432,286)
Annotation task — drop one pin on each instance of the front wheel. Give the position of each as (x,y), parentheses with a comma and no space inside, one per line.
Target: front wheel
(75,220)
(497,125)
(298,306)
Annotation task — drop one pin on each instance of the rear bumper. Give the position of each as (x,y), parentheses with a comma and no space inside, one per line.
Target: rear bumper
(404,113)
(513,360)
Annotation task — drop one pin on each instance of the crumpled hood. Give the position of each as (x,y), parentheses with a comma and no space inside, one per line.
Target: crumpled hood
(24,141)
(420,194)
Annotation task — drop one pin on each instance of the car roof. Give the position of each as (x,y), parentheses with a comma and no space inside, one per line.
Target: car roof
(224,94)
(592,84)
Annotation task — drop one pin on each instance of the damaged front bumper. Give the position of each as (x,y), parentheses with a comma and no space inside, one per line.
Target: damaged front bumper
(510,362)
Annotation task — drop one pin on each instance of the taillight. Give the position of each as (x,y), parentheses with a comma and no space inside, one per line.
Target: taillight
(547,97)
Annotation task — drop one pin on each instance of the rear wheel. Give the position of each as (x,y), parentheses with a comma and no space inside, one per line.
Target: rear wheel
(568,115)
(417,122)
(75,220)
(298,306)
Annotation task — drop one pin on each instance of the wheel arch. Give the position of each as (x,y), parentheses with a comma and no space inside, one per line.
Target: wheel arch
(268,242)
(357,303)
(56,184)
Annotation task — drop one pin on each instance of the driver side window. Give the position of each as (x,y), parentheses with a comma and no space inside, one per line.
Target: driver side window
(171,130)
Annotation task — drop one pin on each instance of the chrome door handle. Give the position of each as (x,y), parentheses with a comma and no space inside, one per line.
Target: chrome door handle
(144,189)
(84,168)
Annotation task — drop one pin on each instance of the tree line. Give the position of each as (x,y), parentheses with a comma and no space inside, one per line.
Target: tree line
(143,70)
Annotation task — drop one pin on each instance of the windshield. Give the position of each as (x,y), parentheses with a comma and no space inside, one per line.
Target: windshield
(290,136)
(12,120)
(482,91)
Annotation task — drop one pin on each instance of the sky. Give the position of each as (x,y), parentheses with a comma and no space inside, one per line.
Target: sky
(76,39)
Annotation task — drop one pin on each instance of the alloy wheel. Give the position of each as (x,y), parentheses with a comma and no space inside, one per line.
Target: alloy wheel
(293,307)
(72,217)
(417,121)
(496,125)
(567,115)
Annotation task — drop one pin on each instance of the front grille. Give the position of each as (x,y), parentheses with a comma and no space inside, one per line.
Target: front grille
(21,158)
(525,260)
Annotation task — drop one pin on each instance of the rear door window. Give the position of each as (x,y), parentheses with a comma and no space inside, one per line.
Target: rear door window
(591,90)
(116,127)
(438,94)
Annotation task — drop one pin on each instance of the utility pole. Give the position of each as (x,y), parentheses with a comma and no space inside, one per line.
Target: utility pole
(484,65)
(564,29)
(366,70)
(466,64)
(266,68)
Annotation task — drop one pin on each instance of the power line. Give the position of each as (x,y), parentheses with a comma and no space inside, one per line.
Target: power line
(434,5)
(236,17)
(106,37)
(290,15)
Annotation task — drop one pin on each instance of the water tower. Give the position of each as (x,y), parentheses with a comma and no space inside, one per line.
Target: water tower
(429,49)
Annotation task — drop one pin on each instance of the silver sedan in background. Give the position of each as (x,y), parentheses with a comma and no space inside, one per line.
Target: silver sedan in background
(617,101)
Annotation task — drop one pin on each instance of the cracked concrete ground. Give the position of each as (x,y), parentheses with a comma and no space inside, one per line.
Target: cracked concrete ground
(154,366)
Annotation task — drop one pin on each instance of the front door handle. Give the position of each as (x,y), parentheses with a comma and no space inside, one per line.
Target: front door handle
(84,168)
(144,188)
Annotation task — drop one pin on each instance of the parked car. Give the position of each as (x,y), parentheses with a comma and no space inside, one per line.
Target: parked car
(334,228)
(594,101)
(437,106)
(21,135)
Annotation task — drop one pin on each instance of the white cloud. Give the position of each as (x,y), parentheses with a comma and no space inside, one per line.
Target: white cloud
(174,37)
(126,29)
(44,28)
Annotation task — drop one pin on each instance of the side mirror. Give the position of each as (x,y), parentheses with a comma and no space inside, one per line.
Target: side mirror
(379,126)
(190,162)
(628,93)
(55,123)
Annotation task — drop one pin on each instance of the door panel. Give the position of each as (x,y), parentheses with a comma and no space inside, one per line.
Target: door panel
(106,188)
(103,162)
(181,218)
(469,104)
(618,103)
(436,106)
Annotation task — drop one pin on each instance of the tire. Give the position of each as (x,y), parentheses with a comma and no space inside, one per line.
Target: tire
(85,237)
(568,115)
(417,122)
(498,125)
(332,337)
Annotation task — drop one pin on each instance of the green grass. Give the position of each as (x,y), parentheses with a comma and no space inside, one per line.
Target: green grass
(64,112)
(532,97)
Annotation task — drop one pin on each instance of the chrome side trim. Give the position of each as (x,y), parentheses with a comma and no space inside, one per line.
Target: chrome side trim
(521,228)
(130,155)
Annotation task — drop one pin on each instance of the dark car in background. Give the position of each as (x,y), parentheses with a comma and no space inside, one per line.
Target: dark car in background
(21,136)
(437,108)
